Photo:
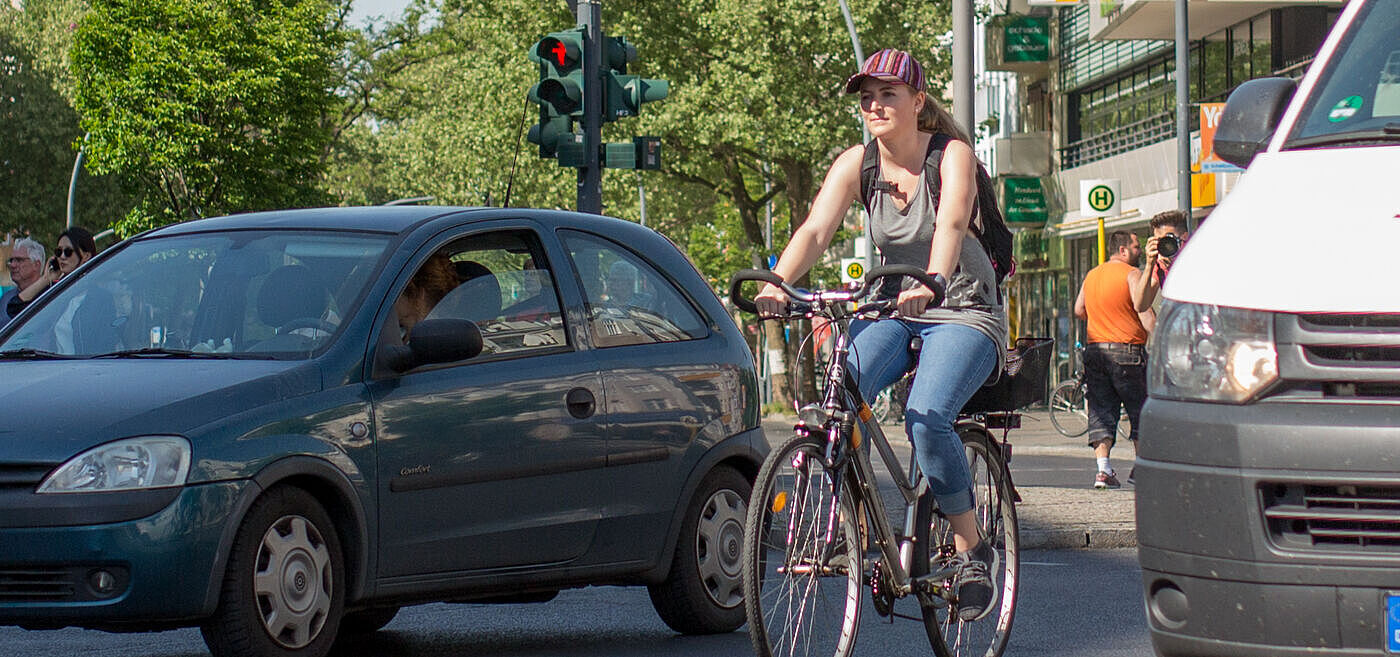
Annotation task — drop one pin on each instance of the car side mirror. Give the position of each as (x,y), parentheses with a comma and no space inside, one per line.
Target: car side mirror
(434,341)
(1252,113)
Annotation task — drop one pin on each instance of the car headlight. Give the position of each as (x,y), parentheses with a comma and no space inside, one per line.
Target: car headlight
(129,464)
(1210,353)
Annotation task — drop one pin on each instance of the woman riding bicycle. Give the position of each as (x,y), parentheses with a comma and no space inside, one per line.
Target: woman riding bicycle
(963,340)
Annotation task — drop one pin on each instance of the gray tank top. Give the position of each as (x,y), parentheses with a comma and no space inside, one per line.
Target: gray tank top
(905,237)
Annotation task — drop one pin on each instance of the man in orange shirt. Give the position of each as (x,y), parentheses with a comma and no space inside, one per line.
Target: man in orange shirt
(1115,360)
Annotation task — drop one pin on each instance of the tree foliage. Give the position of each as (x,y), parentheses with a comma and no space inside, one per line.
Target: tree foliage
(210,107)
(39,132)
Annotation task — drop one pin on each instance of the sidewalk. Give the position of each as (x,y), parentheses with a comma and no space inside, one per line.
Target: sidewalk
(1050,517)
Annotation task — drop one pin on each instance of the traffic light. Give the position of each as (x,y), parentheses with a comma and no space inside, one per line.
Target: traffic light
(559,92)
(624,94)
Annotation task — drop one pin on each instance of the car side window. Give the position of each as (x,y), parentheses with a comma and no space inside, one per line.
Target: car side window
(628,300)
(500,281)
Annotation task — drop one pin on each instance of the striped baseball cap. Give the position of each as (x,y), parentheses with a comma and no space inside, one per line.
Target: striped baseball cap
(889,65)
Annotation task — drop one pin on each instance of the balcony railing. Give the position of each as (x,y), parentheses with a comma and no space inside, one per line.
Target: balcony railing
(1118,140)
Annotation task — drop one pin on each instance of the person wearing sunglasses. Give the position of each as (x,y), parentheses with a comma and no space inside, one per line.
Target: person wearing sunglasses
(75,246)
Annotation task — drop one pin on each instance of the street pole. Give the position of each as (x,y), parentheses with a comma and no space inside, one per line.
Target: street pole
(963,110)
(73,181)
(1183,107)
(642,197)
(590,175)
(864,135)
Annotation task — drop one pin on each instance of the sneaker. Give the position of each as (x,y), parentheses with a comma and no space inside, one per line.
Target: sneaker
(1131,472)
(1107,480)
(976,594)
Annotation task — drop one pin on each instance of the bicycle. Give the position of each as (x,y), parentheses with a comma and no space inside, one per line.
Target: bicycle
(818,532)
(1069,405)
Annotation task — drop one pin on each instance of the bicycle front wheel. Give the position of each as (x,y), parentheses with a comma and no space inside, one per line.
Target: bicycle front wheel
(802,557)
(1067,409)
(996,520)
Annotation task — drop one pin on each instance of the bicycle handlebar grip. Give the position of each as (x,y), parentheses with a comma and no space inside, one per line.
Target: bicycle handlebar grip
(934,282)
(742,275)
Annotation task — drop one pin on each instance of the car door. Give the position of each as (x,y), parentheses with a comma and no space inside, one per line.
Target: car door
(498,460)
(665,391)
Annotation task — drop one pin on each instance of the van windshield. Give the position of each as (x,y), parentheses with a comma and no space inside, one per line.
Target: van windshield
(1357,100)
(238,294)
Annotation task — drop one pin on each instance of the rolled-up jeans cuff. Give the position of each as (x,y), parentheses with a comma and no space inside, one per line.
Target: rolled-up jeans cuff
(954,503)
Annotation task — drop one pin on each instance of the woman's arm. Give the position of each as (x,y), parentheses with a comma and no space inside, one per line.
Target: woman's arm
(839,189)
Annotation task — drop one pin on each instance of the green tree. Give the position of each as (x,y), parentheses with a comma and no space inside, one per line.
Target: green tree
(39,132)
(207,107)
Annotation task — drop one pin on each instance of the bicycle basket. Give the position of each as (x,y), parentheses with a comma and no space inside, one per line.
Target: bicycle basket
(1022,383)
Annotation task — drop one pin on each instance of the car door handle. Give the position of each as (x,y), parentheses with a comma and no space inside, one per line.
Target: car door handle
(581,403)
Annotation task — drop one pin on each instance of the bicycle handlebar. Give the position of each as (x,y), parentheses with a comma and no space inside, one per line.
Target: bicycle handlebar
(802,302)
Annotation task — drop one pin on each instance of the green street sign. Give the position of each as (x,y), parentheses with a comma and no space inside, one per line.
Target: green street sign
(1023,201)
(1026,39)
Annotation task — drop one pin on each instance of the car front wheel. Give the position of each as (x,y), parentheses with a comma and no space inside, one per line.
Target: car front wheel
(284,590)
(703,594)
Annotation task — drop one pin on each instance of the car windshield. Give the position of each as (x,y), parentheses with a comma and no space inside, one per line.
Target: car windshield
(236,294)
(1358,99)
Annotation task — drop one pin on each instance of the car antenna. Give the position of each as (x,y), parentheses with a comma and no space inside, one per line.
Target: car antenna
(510,182)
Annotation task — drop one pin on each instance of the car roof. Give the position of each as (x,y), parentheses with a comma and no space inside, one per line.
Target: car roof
(386,219)
(396,219)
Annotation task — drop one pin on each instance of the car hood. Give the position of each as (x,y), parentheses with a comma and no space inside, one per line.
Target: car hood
(65,406)
(1303,231)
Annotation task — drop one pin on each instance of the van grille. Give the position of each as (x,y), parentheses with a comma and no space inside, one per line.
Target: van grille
(1334,518)
(1350,355)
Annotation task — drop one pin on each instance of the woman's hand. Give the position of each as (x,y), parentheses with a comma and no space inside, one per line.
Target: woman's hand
(913,301)
(772,301)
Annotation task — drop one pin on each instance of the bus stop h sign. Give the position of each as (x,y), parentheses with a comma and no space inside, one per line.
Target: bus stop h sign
(1099,198)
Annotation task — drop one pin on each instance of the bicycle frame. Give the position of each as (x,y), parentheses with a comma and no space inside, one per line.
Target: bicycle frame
(844,455)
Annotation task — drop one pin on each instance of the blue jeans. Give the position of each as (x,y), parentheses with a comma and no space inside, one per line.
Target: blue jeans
(955,361)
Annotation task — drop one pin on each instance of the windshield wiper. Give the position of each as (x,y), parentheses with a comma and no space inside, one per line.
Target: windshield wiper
(163,353)
(33,354)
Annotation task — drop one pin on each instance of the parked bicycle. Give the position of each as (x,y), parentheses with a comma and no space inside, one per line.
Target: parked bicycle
(1069,405)
(818,533)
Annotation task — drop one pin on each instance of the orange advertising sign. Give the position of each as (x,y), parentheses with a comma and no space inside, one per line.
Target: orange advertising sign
(1210,121)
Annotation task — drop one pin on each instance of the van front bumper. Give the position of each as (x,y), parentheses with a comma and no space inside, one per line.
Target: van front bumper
(1271,528)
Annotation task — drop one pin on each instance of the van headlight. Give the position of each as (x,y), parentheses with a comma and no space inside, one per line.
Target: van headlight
(129,464)
(1210,353)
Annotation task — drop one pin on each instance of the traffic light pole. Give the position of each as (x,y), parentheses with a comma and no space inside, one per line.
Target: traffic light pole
(590,175)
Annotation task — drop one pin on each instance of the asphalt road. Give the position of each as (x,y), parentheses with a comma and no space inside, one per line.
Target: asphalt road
(1079,603)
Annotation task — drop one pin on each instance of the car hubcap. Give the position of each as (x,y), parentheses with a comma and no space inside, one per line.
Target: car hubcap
(292,582)
(720,545)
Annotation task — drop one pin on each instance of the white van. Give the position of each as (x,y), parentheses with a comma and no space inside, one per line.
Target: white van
(1268,481)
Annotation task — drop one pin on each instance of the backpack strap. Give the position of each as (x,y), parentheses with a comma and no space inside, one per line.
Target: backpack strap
(870,181)
(869,174)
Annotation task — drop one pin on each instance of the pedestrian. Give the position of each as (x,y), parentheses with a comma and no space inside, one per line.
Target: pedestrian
(964,341)
(1115,359)
(75,246)
(26,263)
(1168,236)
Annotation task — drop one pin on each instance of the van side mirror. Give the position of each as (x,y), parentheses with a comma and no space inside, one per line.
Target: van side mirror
(1252,113)
(434,341)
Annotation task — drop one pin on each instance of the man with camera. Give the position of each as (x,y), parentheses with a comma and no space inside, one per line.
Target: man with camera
(1168,236)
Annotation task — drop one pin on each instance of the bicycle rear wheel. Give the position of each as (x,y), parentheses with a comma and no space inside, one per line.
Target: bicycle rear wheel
(996,516)
(802,558)
(1067,410)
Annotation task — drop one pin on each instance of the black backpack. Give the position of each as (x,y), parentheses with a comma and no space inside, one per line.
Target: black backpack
(994,235)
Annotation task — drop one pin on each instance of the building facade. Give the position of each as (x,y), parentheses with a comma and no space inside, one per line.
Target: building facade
(1102,106)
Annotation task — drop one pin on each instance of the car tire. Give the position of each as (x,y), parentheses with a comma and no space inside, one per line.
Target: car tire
(284,590)
(703,594)
(367,621)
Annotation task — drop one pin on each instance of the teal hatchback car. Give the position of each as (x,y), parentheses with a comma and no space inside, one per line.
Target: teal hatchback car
(281,427)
